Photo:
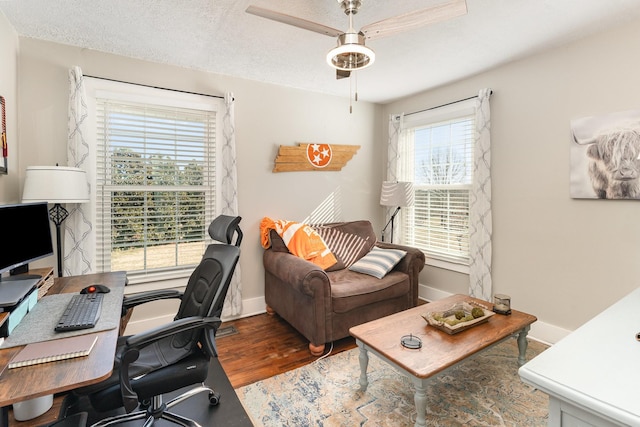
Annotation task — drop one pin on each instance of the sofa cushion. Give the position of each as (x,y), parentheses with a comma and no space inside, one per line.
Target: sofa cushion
(378,262)
(351,290)
(349,241)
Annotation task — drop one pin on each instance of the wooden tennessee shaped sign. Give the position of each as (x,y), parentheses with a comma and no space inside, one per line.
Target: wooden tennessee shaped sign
(313,157)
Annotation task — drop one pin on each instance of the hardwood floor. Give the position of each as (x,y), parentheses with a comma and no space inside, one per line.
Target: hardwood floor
(264,346)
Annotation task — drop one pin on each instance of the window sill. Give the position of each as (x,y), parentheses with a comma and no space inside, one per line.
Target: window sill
(152,282)
(447,265)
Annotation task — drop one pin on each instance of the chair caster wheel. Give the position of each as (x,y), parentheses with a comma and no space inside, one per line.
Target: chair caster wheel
(214,399)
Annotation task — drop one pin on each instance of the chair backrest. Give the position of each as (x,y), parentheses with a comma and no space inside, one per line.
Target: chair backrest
(224,227)
(208,284)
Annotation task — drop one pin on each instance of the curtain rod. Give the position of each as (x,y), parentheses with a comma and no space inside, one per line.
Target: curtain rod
(444,105)
(155,87)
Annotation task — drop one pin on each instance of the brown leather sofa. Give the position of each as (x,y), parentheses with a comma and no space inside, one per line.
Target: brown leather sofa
(323,305)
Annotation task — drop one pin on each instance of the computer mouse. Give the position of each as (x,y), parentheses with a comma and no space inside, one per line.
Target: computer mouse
(95,289)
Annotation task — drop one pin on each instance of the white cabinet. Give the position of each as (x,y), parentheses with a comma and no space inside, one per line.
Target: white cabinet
(592,376)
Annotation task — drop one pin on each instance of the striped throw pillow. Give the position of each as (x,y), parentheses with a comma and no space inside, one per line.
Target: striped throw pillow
(378,262)
(347,247)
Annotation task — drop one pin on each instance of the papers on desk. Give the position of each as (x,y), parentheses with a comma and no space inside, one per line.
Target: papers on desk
(51,351)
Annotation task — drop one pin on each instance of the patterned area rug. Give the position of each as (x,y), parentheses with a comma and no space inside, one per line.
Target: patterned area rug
(482,391)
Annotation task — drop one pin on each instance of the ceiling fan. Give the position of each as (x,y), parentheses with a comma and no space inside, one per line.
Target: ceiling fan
(351,53)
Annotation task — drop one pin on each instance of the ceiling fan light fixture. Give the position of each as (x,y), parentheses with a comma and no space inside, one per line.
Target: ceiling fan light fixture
(351,53)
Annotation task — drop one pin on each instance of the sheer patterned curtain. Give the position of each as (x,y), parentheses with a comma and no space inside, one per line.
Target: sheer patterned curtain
(229,203)
(480,227)
(393,157)
(79,237)
(393,154)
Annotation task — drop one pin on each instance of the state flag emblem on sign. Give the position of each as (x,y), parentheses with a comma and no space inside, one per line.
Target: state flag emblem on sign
(319,155)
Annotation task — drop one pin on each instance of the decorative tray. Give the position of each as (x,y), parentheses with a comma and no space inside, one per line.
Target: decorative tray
(459,317)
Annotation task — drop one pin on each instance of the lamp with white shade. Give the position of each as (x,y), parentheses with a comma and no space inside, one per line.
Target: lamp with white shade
(396,193)
(58,185)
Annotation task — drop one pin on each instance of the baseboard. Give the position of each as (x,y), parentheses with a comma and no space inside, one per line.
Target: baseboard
(250,307)
(547,333)
(540,331)
(428,293)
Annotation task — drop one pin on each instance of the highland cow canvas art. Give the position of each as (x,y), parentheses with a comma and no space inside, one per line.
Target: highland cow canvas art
(605,156)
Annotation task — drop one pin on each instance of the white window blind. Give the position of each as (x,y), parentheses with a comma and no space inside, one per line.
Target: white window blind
(155,184)
(437,155)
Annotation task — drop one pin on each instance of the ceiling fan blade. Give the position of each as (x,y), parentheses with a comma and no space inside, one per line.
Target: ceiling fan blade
(412,20)
(292,20)
(342,74)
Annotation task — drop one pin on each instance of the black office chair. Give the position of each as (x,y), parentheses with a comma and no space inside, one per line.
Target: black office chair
(176,355)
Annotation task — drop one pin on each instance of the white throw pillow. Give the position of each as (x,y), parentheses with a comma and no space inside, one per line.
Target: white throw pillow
(378,262)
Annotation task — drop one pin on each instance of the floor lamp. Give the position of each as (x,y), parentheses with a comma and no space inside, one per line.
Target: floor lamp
(398,194)
(57,185)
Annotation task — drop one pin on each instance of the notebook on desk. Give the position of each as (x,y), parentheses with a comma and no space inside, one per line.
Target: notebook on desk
(51,351)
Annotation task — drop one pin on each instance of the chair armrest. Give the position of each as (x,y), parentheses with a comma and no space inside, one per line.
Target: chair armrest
(301,274)
(145,338)
(133,344)
(130,301)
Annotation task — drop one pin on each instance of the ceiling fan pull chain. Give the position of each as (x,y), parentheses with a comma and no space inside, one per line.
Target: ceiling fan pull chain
(356,77)
(350,93)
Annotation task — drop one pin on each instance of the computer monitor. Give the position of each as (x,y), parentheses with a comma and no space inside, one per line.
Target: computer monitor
(25,236)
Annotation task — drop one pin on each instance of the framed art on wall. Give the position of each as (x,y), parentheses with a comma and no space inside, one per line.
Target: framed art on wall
(605,156)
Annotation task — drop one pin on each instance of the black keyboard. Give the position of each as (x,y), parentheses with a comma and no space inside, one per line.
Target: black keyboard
(82,312)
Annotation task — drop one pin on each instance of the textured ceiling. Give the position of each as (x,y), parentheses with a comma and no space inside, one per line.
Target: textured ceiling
(219,37)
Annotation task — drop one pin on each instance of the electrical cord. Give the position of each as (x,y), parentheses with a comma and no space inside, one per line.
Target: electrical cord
(327,354)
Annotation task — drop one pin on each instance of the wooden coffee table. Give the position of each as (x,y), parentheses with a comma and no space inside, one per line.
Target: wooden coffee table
(440,350)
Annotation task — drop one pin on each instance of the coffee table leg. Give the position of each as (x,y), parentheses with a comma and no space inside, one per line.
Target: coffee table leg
(522,345)
(364,362)
(420,398)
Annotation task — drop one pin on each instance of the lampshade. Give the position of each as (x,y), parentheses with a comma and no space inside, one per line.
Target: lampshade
(397,194)
(55,184)
(351,53)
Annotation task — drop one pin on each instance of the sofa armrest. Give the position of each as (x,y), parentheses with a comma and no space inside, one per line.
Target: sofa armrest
(302,275)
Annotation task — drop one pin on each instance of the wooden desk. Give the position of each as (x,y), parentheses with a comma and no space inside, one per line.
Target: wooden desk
(49,378)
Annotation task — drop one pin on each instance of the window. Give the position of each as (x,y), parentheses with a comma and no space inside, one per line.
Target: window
(436,149)
(155,179)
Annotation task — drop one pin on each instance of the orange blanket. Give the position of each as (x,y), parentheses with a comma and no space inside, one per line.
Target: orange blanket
(301,240)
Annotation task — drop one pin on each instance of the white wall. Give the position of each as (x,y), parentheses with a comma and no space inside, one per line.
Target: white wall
(266,116)
(561,259)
